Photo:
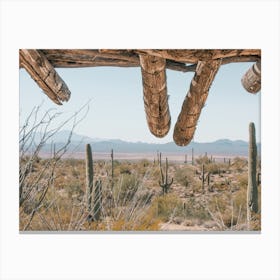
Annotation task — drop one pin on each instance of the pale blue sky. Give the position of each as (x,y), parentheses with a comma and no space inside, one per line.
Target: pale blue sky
(117,109)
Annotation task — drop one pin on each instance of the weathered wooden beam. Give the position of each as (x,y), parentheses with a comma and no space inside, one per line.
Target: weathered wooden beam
(88,55)
(72,58)
(155,94)
(227,60)
(193,56)
(43,73)
(78,63)
(251,80)
(179,66)
(94,58)
(194,101)
(237,59)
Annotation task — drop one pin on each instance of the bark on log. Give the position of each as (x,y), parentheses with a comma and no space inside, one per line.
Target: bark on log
(93,58)
(194,101)
(68,58)
(88,55)
(155,94)
(43,73)
(251,80)
(193,56)
(78,63)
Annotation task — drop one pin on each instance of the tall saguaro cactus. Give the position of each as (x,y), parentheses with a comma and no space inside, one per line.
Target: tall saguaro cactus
(165,185)
(192,157)
(89,177)
(186,158)
(97,200)
(203,177)
(112,168)
(252,191)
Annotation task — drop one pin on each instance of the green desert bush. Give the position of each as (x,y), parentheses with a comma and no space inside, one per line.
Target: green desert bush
(167,207)
(195,210)
(186,177)
(213,168)
(126,187)
(239,164)
(202,160)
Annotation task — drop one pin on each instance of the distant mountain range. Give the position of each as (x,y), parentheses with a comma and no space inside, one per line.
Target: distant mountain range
(220,147)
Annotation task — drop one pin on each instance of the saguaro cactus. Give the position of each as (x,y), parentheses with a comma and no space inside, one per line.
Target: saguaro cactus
(192,157)
(210,187)
(112,168)
(97,200)
(165,185)
(202,177)
(89,177)
(252,191)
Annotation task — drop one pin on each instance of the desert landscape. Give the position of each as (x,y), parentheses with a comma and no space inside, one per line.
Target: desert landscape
(136,192)
(70,182)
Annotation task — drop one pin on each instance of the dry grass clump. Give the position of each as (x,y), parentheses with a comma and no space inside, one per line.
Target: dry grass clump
(167,207)
(239,164)
(186,176)
(194,209)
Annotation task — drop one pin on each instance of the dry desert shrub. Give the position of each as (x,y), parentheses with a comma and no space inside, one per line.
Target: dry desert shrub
(186,177)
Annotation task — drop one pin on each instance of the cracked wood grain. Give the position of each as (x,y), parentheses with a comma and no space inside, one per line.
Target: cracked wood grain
(155,94)
(43,73)
(251,80)
(194,101)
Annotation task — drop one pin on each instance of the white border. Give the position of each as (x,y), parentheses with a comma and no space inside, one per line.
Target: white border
(192,24)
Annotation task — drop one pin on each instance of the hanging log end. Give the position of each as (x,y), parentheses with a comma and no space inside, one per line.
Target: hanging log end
(179,136)
(155,94)
(44,74)
(194,101)
(159,130)
(251,80)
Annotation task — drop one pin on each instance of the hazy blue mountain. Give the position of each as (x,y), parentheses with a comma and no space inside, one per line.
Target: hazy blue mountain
(63,135)
(219,147)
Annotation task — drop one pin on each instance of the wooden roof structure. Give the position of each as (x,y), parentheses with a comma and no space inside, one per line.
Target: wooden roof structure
(41,64)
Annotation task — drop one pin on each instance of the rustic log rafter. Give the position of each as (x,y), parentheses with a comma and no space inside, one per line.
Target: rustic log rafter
(194,101)
(43,73)
(155,94)
(93,58)
(193,56)
(130,58)
(153,62)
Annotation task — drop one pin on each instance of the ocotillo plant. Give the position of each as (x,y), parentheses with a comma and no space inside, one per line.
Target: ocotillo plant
(97,203)
(89,177)
(252,191)
(164,184)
